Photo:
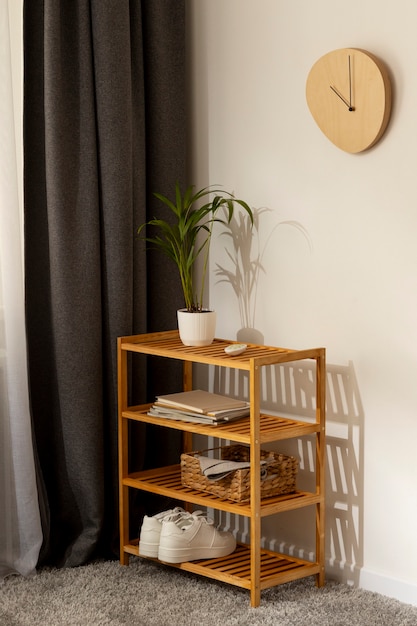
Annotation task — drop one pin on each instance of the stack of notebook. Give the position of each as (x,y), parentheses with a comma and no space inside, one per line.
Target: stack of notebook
(199,406)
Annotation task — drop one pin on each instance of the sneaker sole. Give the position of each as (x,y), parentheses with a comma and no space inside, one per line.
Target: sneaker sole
(149,550)
(181,555)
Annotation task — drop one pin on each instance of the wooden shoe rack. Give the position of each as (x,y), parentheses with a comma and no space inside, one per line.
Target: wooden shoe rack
(250,566)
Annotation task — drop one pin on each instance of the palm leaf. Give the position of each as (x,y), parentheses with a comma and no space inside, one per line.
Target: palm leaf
(179,239)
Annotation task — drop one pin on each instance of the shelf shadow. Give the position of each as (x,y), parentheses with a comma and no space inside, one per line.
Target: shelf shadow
(289,390)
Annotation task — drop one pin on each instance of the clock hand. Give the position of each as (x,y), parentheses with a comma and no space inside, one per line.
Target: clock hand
(350,86)
(342,98)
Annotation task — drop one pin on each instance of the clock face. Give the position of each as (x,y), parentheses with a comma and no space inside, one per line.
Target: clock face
(349,95)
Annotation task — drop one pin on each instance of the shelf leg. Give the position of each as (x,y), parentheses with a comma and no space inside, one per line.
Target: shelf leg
(255,491)
(255,597)
(187,438)
(123,453)
(320,465)
(320,577)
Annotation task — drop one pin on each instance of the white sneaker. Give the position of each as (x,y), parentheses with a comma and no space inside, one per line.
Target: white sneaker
(151,531)
(191,538)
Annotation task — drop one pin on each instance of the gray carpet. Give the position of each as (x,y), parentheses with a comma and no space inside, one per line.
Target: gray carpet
(151,594)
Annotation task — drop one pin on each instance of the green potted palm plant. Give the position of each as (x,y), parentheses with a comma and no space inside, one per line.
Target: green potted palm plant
(184,239)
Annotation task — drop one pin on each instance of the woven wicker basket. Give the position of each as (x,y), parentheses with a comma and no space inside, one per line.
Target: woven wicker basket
(281,473)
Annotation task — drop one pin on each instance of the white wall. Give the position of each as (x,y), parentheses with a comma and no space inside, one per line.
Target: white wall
(352,286)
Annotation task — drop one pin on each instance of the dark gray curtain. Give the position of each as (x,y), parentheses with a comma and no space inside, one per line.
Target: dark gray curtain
(104,127)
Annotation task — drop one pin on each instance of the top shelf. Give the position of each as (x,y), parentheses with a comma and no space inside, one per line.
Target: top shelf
(168,344)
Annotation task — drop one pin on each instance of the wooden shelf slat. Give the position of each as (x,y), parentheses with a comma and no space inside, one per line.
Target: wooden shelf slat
(235,568)
(169,345)
(166,481)
(272,428)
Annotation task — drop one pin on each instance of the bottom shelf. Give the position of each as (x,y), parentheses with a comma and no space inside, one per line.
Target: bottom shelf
(235,569)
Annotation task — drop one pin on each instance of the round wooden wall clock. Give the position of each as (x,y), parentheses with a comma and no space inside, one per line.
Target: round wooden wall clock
(349,95)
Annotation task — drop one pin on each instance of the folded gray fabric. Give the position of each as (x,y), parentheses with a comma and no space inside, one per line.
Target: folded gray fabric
(215,469)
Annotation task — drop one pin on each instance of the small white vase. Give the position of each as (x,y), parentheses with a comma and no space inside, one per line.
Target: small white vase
(196,328)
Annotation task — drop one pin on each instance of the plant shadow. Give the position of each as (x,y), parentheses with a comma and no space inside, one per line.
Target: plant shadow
(245,265)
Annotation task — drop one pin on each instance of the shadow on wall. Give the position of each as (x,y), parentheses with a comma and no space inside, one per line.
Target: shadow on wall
(289,390)
(242,272)
(345,463)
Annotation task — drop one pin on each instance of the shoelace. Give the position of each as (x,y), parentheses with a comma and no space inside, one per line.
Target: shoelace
(183,518)
(186,520)
(176,513)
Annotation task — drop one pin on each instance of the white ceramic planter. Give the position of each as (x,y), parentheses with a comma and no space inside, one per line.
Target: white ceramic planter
(196,329)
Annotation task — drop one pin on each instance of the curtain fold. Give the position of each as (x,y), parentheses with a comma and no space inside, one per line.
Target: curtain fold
(104,127)
(20,527)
